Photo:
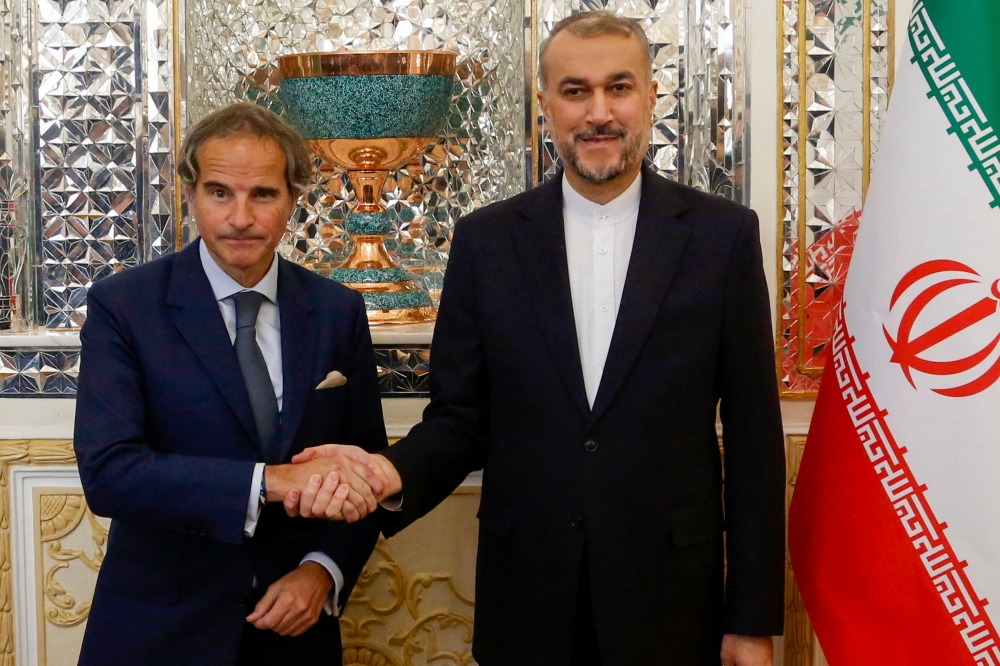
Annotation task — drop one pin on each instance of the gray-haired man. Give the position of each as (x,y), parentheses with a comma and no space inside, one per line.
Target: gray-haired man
(202,374)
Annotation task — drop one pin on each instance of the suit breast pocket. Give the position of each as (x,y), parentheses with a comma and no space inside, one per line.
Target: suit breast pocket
(330,398)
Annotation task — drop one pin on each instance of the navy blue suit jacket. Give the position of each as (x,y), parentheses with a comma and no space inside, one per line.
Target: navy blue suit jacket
(166,445)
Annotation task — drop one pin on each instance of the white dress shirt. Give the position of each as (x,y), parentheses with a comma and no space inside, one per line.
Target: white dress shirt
(598,248)
(269,340)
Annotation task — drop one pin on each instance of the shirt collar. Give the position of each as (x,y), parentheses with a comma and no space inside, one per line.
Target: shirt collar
(623,207)
(223,286)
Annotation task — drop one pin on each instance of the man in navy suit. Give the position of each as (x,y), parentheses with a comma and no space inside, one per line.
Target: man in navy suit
(589,330)
(202,374)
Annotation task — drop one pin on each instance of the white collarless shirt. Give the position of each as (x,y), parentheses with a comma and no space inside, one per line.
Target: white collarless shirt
(268,331)
(598,249)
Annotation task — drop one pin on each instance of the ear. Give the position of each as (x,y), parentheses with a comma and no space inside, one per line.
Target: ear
(189,196)
(653,87)
(543,103)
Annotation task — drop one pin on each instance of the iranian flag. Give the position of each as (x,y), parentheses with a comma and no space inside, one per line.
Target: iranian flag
(895,524)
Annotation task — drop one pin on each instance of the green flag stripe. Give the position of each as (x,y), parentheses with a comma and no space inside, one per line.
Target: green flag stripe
(953,82)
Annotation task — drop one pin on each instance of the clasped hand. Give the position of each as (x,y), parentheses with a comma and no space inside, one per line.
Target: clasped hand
(333,481)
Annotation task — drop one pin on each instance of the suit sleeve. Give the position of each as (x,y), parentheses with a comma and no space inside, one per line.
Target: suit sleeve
(350,545)
(451,441)
(754,448)
(123,477)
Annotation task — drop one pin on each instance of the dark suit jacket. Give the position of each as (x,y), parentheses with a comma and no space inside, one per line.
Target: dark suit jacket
(166,445)
(637,480)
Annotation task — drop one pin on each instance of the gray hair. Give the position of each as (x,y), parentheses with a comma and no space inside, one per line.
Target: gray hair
(595,24)
(247,119)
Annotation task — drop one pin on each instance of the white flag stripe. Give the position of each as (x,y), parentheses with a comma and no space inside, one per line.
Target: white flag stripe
(926,204)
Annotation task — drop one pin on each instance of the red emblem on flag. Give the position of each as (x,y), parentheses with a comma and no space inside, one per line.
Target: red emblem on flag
(907,351)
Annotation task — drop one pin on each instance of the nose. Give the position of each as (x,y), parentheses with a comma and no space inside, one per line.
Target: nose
(600,109)
(242,217)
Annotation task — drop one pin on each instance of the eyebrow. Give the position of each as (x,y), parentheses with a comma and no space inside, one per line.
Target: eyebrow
(263,189)
(621,76)
(259,190)
(577,81)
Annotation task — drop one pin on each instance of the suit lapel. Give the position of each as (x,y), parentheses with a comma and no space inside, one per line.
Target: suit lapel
(298,352)
(660,239)
(541,251)
(196,315)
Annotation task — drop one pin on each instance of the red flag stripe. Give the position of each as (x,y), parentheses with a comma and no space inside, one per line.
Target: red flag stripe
(819,523)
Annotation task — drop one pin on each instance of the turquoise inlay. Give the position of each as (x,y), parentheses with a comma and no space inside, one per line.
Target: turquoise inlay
(368,224)
(370,275)
(368,106)
(396,300)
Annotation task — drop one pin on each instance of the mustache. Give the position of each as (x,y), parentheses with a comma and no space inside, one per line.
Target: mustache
(601,130)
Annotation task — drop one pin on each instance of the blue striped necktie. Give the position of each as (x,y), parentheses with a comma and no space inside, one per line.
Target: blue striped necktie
(255,374)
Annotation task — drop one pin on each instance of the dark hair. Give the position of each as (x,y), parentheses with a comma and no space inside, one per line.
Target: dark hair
(247,119)
(595,24)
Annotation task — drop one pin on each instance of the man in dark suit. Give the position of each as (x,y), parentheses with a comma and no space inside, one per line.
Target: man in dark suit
(201,374)
(587,333)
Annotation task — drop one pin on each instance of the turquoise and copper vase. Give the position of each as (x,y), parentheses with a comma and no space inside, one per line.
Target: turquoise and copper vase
(370,112)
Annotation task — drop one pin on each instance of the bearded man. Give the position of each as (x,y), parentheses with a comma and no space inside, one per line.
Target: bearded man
(587,333)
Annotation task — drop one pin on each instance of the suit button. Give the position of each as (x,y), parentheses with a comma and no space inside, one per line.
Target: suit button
(590,446)
(576,523)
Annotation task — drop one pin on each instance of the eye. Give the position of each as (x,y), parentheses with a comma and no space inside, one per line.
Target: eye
(621,87)
(572,92)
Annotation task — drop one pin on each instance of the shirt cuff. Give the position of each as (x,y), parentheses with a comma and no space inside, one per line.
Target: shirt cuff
(253,504)
(330,606)
(394,503)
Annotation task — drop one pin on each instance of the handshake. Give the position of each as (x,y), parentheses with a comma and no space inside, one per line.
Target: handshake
(333,481)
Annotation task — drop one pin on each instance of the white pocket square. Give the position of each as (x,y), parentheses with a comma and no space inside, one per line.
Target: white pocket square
(333,380)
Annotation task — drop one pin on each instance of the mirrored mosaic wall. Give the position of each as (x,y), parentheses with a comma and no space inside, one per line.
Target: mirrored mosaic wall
(86,168)
(836,65)
(15,164)
(52,373)
(86,171)
(699,54)
(231,50)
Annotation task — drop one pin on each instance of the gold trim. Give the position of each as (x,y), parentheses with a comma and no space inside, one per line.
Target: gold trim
(779,292)
(803,199)
(175,49)
(799,643)
(422,628)
(530,68)
(866,103)
(56,513)
(15,453)
(359,63)
(890,27)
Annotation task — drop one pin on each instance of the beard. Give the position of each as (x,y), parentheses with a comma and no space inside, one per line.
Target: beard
(631,154)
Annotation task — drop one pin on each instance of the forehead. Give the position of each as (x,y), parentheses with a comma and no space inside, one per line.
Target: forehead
(241,160)
(593,58)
